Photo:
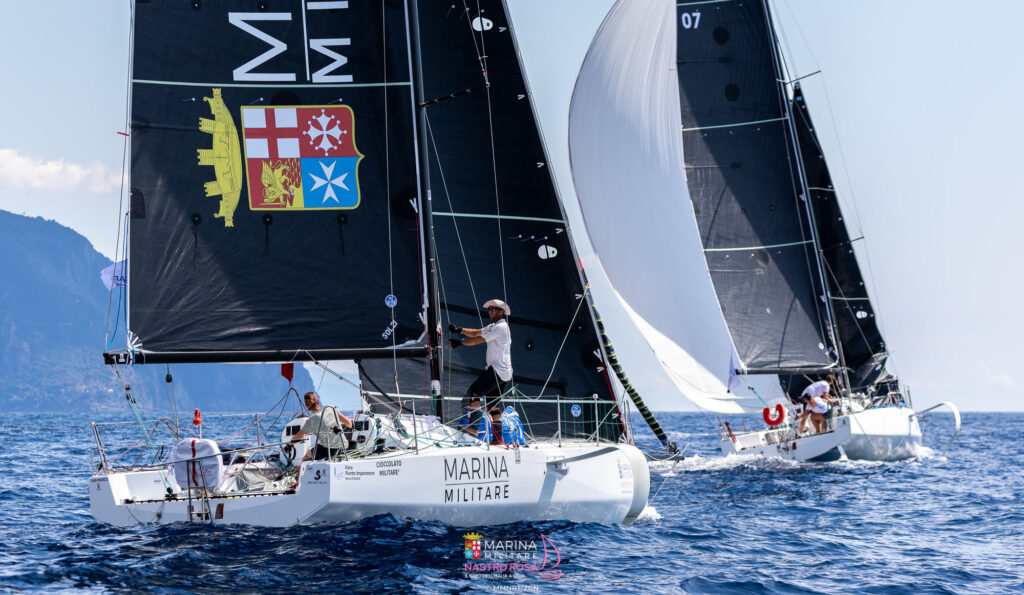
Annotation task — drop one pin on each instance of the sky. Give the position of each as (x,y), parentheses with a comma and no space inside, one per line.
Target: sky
(917,105)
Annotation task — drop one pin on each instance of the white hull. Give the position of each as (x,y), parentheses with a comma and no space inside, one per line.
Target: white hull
(461,486)
(782,443)
(884,434)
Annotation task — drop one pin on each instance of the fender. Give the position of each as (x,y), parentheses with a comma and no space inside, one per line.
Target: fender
(780,412)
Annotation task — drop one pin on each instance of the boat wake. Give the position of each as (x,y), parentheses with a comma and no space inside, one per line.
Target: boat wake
(648,516)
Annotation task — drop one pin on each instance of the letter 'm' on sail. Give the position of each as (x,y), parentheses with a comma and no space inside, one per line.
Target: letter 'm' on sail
(628,170)
(273,182)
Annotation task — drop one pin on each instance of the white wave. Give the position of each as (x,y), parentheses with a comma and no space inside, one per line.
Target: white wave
(649,515)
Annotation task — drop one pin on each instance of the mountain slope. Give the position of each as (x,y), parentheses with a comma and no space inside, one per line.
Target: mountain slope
(52,312)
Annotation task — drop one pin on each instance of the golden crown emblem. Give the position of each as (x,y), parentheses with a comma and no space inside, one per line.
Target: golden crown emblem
(473,536)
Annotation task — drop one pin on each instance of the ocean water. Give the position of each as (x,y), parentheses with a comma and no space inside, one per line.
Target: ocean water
(935,524)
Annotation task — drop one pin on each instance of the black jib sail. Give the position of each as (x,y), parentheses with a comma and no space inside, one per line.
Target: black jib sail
(746,189)
(273,183)
(499,231)
(863,347)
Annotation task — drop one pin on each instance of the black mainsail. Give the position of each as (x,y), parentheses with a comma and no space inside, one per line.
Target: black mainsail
(294,226)
(499,231)
(274,188)
(746,188)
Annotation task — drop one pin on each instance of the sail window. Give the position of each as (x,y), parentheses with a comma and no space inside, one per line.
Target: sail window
(721,35)
(732,92)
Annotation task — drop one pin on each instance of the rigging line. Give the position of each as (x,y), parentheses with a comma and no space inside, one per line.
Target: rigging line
(458,236)
(447,313)
(856,322)
(171,399)
(479,54)
(387,182)
(735,124)
(785,42)
(554,362)
(663,482)
(506,217)
(769,247)
(494,162)
(831,113)
(124,162)
(327,369)
(122,289)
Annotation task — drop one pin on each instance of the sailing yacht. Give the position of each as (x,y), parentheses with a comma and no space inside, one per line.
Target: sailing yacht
(749,288)
(328,180)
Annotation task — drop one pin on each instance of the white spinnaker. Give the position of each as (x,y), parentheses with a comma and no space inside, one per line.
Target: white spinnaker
(626,151)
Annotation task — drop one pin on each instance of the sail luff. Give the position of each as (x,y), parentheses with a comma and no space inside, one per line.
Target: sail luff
(425,211)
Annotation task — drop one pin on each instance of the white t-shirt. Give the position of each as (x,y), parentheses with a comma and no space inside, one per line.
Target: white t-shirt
(328,437)
(817,389)
(818,405)
(499,348)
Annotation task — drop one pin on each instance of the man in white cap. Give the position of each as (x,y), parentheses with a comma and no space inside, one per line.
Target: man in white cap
(494,379)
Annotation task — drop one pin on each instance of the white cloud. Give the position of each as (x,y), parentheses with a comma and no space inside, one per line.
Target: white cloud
(1000,380)
(18,172)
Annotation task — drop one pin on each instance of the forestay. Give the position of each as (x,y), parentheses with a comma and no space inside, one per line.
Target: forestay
(274,191)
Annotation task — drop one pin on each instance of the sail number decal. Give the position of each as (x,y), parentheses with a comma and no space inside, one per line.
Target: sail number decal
(690,20)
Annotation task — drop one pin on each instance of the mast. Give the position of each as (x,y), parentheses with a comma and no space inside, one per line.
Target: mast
(802,177)
(425,211)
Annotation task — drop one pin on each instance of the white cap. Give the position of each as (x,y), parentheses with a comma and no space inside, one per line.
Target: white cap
(499,304)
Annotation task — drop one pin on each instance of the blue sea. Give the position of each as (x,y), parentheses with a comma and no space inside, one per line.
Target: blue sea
(937,524)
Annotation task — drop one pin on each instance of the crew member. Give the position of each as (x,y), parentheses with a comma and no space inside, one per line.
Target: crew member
(816,399)
(493,380)
(326,425)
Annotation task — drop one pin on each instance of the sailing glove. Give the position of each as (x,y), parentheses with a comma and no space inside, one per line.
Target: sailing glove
(455,330)
(454,342)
